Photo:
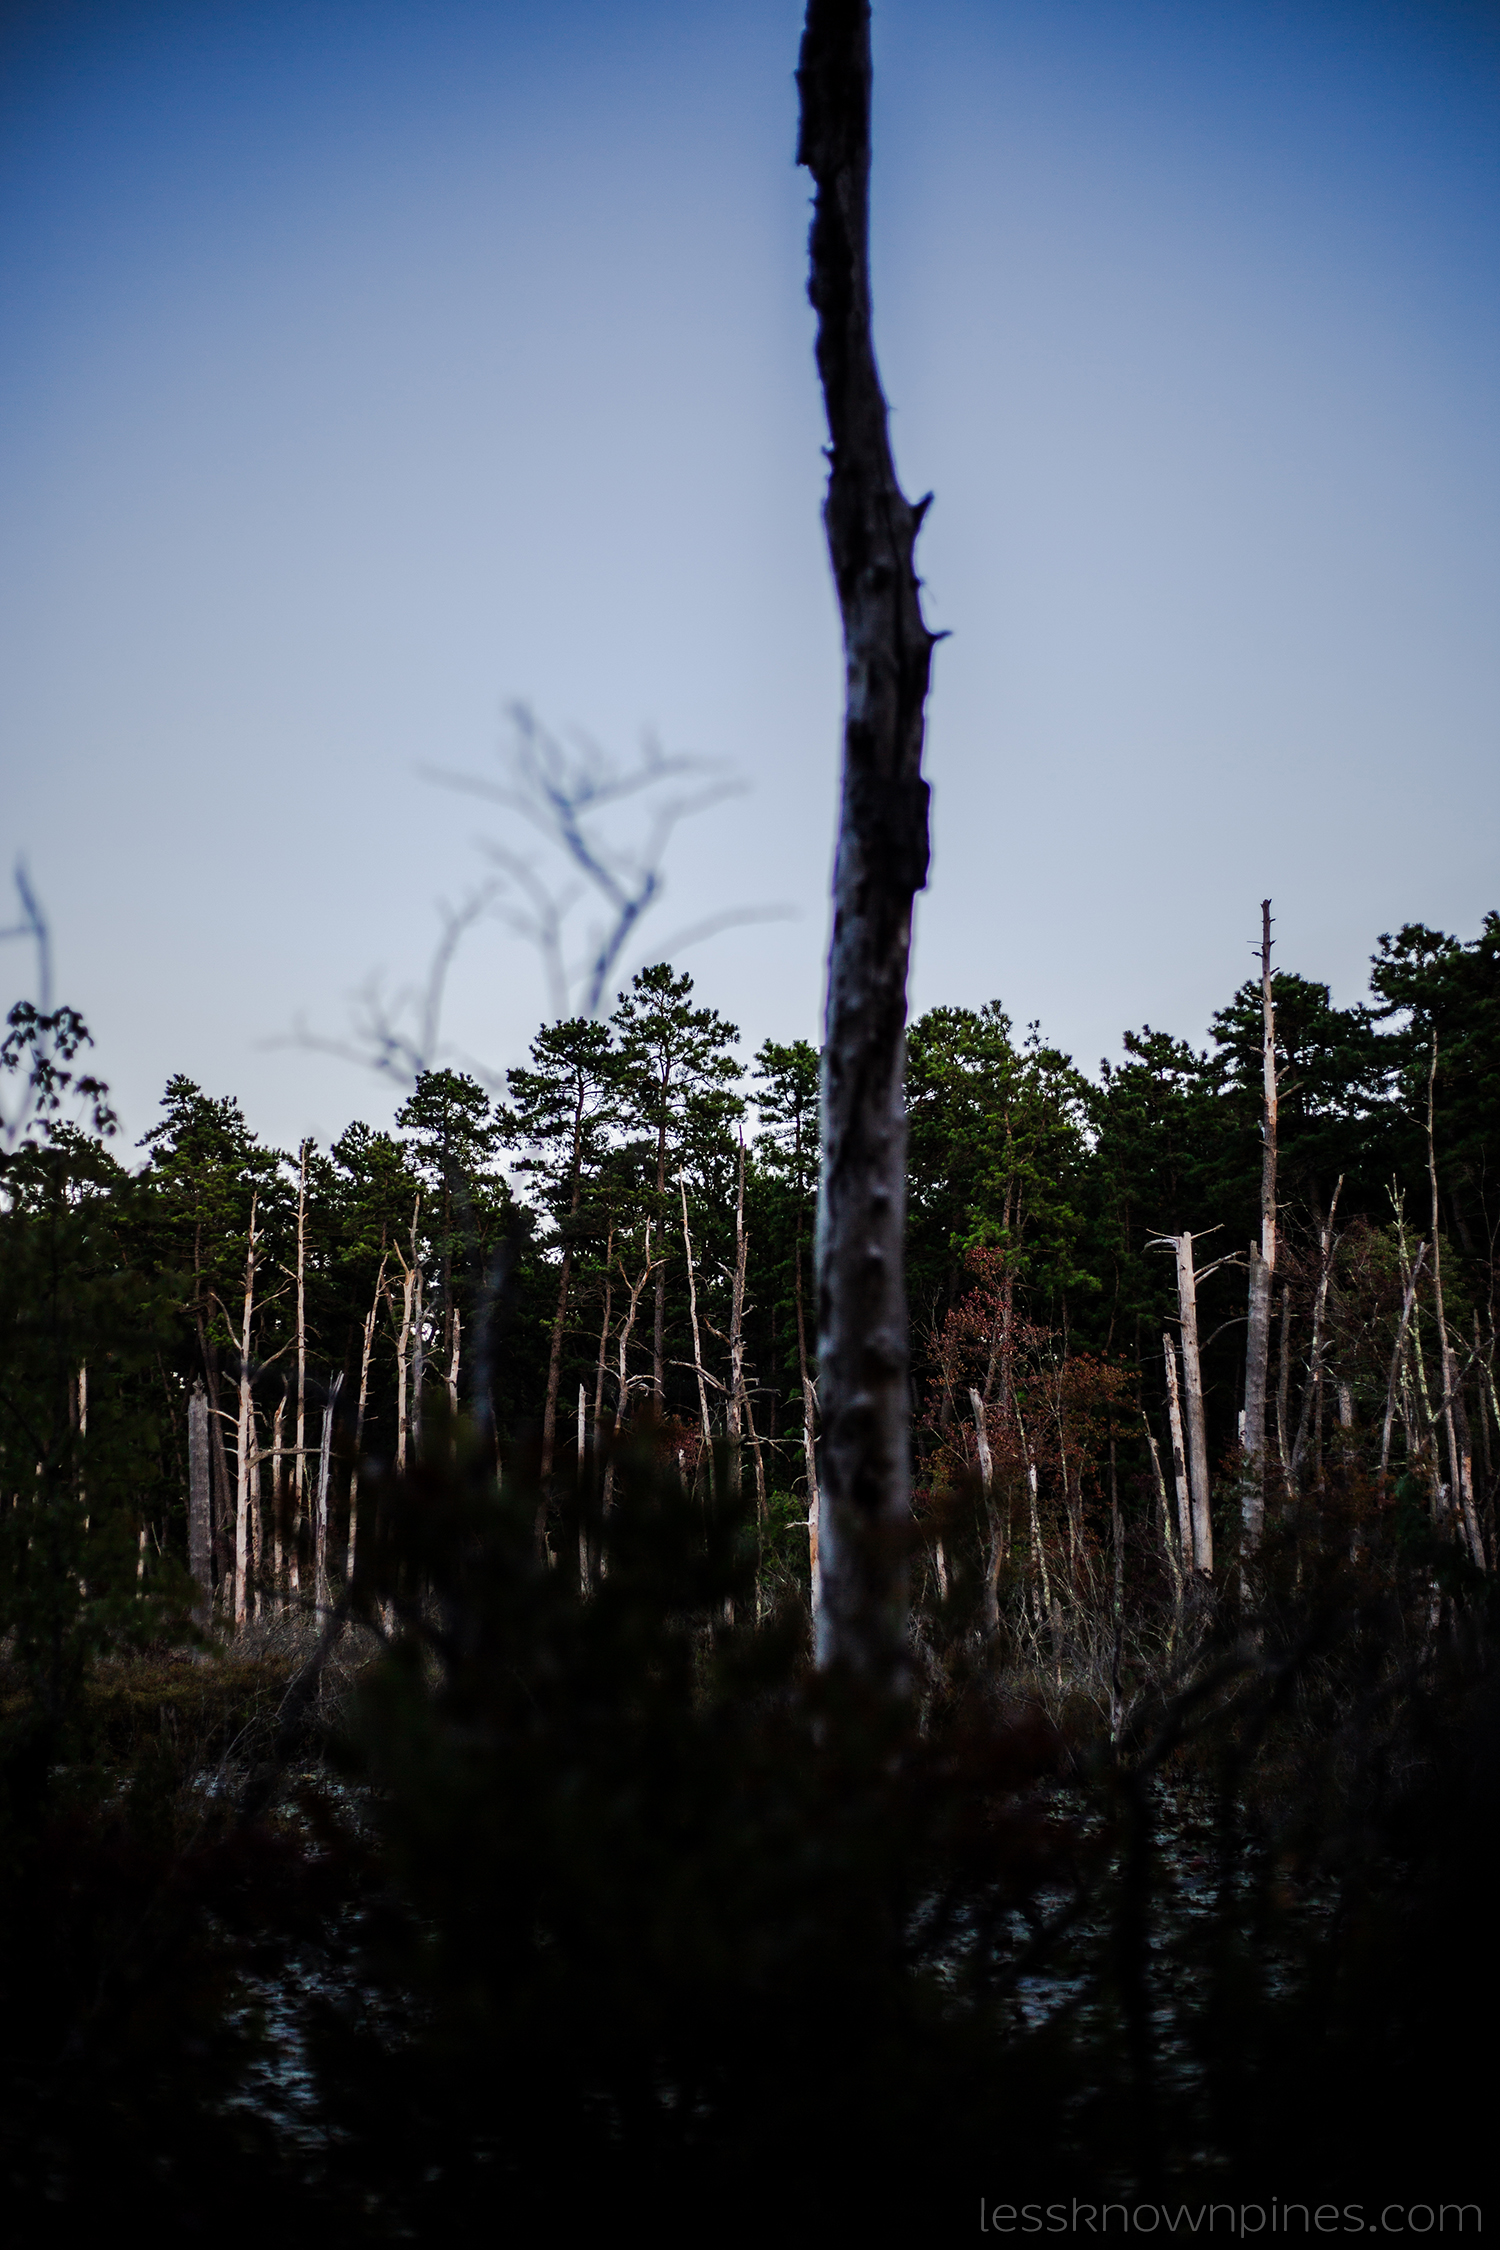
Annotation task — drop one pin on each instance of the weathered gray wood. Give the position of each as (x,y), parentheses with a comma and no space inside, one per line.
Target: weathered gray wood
(1197,1430)
(1179,1457)
(863,1379)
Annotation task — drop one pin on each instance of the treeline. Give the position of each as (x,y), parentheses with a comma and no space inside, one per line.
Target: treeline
(628,1233)
(511,1851)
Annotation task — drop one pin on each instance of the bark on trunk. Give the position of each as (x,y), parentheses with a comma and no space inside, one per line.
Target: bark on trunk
(1197,1432)
(1262,1267)
(881,864)
(995,1559)
(1180,1482)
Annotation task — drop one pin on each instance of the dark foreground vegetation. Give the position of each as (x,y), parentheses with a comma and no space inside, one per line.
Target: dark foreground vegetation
(420,1815)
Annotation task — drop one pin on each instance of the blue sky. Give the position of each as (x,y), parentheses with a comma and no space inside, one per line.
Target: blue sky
(372,367)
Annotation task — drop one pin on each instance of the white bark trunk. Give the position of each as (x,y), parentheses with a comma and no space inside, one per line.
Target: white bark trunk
(1179,1459)
(1197,1433)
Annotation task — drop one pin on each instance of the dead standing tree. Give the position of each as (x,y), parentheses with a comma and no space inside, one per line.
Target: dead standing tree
(881,865)
(1262,1267)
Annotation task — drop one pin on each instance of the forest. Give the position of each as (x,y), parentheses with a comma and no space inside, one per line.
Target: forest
(414,1768)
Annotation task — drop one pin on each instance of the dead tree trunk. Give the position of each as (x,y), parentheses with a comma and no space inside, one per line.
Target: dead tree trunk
(703,1420)
(299,1463)
(247,1454)
(320,1512)
(734,1420)
(881,864)
(200,1504)
(1310,1418)
(359,1416)
(1455,1419)
(995,1559)
(1180,1483)
(1188,1278)
(1262,1267)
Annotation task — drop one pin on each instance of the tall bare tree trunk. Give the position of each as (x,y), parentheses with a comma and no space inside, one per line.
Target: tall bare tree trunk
(1192,1377)
(1398,1362)
(200,1502)
(809,1410)
(687,1244)
(734,1410)
(1310,1418)
(299,1465)
(320,1513)
(1169,1541)
(418,1349)
(408,1280)
(278,1494)
(359,1417)
(626,1326)
(881,864)
(246,1452)
(1455,1418)
(995,1560)
(1262,1267)
(1180,1482)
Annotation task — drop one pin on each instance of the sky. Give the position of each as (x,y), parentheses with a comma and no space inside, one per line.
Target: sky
(372,369)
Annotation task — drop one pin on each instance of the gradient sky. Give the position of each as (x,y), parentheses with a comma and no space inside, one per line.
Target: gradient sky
(371,366)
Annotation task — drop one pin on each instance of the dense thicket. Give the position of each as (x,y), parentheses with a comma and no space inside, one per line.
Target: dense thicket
(521,1394)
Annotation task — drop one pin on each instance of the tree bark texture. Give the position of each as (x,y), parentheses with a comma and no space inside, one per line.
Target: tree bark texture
(863,1380)
(1179,1456)
(1262,1266)
(1197,1428)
